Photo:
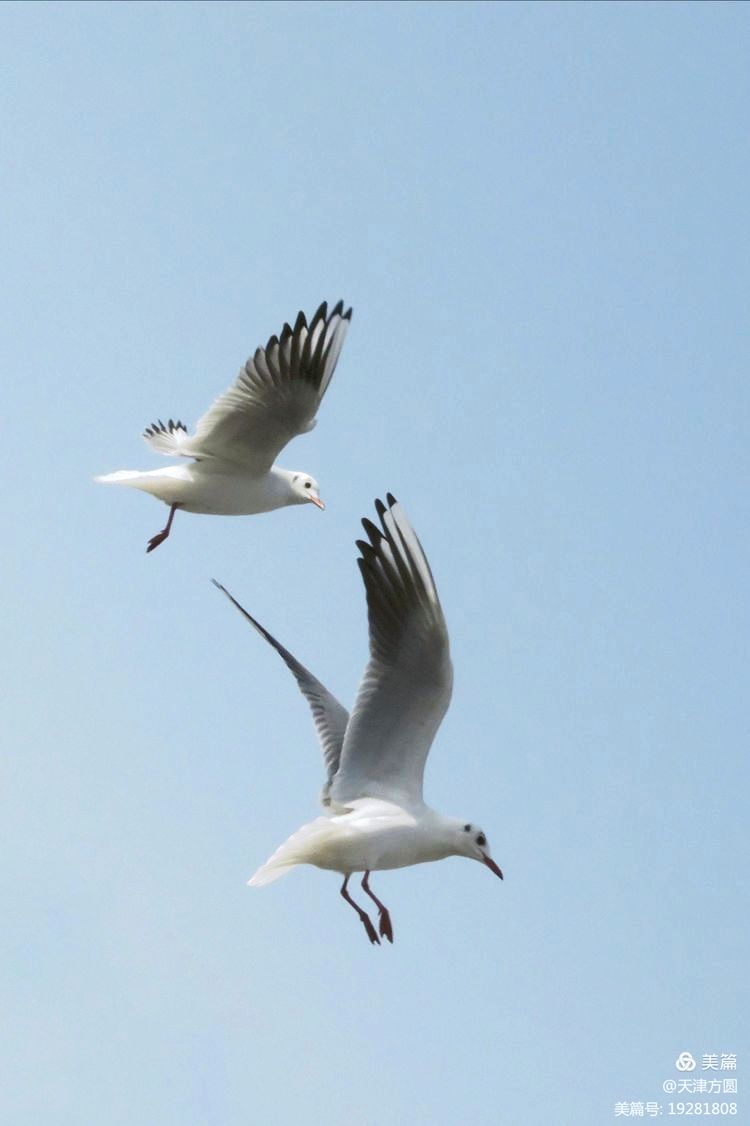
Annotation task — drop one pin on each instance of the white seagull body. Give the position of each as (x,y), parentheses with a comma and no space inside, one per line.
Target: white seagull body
(375,757)
(274,398)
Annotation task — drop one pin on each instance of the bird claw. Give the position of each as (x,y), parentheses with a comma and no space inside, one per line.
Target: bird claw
(371,932)
(162,535)
(155,541)
(385,925)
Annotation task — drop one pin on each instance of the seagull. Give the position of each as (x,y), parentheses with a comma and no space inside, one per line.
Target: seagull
(274,398)
(374,758)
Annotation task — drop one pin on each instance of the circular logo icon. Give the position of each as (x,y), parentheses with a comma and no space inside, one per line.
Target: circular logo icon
(685,1062)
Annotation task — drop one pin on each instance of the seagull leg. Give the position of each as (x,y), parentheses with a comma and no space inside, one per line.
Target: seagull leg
(162,535)
(386,927)
(363,916)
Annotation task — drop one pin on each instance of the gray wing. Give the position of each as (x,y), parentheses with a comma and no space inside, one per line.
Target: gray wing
(407,684)
(275,396)
(329,716)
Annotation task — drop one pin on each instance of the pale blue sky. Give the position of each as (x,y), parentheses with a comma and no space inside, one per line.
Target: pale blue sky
(539,214)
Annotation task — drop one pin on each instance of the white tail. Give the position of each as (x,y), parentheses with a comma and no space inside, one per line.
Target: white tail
(269,872)
(301,848)
(121,477)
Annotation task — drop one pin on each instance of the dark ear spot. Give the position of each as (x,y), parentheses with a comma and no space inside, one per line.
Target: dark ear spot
(296,475)
(467,828)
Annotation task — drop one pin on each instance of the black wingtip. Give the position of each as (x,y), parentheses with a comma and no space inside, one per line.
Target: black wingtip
(226,594)
(241,608)
(159,427)
(366,547)
(321,312)
(373,531)
(231,597)
(391,499)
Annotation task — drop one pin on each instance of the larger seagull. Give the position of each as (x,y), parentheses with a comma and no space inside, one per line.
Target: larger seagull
(275,397)
(375,757)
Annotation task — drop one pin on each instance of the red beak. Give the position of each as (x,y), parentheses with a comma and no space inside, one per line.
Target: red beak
(492,865)
(318,501)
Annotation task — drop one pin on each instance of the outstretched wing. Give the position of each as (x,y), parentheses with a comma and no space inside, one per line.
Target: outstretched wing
(407,684)
(329,716)
(275,396)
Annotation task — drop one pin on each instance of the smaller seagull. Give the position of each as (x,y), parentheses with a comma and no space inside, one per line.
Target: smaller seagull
(375,758)
(274,398)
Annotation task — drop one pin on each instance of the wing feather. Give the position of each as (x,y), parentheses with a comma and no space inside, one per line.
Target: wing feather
(329,716)
(276,395)
(167,438)
(406,687)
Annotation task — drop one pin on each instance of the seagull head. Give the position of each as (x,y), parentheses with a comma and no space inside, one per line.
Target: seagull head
(471,841)
(305,489)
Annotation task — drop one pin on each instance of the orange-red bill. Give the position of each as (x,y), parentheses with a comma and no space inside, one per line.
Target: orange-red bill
(492,865)
(318,501)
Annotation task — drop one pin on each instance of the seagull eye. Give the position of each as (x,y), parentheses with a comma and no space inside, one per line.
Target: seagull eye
(308,484)
(481,839)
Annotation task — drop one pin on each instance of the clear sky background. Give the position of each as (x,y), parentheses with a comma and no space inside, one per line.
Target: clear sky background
(539,214)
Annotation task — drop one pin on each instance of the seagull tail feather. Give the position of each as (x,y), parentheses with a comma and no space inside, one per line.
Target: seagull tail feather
(301,848)
(120,477)
(269,872)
